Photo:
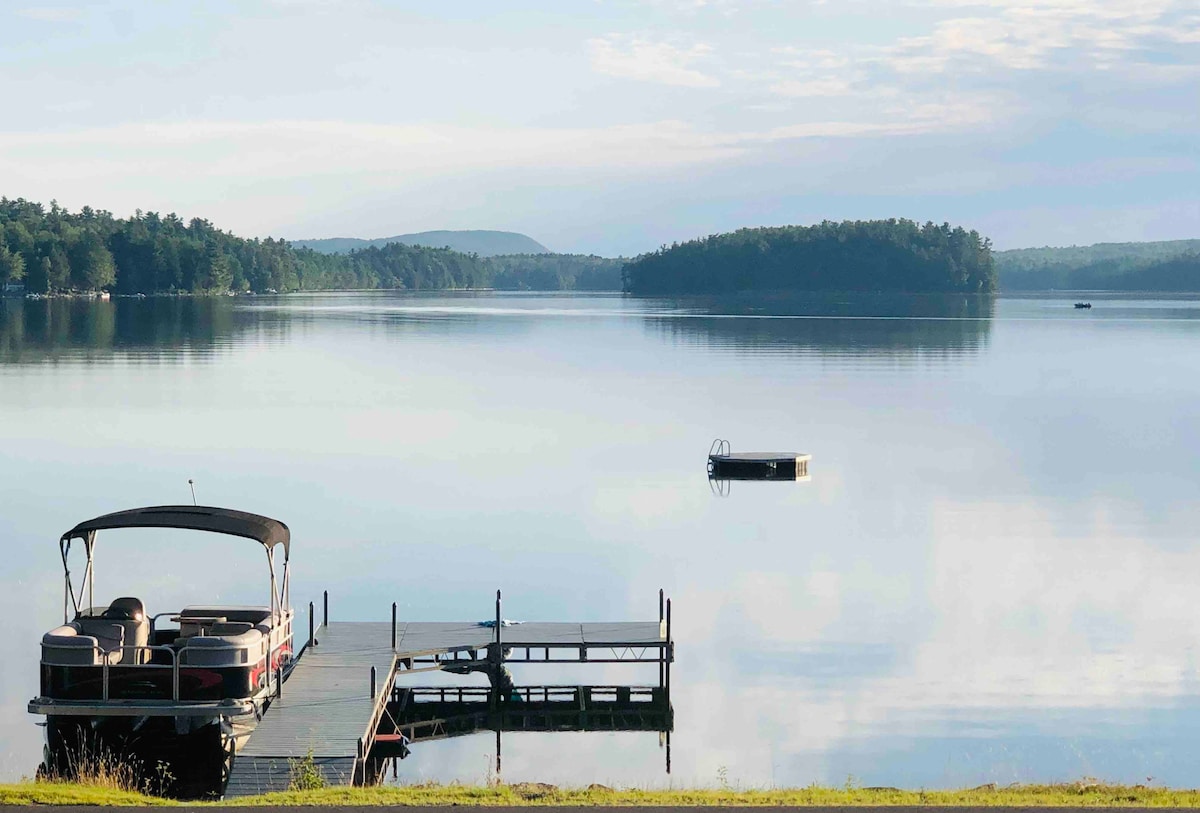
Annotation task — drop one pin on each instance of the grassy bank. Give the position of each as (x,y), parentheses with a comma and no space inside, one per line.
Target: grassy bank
(1069,795)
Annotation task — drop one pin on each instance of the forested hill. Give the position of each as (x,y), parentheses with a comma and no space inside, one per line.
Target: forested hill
(1172,265)
(873,255)
(54,250)
(483,243)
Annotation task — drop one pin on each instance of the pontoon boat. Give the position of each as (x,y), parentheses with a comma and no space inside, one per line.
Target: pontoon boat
(115,668)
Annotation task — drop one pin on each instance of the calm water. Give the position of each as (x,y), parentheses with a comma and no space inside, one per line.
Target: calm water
(990,577)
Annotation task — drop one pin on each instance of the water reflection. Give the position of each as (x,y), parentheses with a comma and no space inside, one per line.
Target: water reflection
(856,325)
(160,327)
(424,714)
(988,579)
(89,329)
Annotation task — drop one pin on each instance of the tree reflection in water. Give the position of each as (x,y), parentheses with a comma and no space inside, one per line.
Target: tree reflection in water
(894,326)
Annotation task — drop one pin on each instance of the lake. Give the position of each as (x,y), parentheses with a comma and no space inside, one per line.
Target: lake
(989,578)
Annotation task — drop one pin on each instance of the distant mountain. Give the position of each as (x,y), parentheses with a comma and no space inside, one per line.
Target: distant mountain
(1169,265)
(483,243)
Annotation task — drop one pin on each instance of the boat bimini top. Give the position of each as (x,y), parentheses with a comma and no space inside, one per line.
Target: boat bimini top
(270,533)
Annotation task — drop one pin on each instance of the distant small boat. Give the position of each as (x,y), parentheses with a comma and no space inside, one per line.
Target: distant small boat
(1083,305)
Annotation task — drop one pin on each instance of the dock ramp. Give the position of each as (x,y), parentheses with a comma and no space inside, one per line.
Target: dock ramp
(326,709)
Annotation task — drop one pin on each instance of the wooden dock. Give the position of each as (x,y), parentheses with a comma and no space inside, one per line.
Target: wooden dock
(336,699)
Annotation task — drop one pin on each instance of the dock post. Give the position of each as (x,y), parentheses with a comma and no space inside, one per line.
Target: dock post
(498,621)
(311,630)
(372,682)
(279,681)
(393,625)
(325,616)
(667,657)
(660,623)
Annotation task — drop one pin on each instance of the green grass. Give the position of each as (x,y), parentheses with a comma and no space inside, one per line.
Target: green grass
(70,793)
(533,794)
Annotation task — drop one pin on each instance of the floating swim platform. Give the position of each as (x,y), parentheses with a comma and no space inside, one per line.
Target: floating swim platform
(723,464)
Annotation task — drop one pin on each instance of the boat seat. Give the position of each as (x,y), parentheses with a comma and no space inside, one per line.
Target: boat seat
(65,646)
(107,635)
(251,615)
(130,613)
(234,643)
(126,608)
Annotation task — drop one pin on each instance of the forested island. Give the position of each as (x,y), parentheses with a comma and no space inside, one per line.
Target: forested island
(52,250)
(872,255)
(1172,265)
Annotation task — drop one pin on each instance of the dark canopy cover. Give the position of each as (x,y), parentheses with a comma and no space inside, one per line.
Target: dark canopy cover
(268,532)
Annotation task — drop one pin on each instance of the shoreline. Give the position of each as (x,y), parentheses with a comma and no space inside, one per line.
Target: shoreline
(1083,794)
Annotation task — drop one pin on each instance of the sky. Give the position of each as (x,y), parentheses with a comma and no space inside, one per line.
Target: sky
(610,126)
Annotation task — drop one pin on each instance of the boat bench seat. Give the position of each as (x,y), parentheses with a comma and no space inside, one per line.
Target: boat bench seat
(82,643)
(230,643)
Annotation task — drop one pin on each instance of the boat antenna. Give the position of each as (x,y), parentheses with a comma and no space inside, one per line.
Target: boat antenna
(192,486)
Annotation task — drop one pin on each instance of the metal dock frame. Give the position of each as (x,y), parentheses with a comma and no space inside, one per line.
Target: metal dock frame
(336,699)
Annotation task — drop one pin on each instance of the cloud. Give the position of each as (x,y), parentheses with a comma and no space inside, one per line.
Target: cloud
(259,178)
(693,7)
(812,87)
(647,61)
(988,61)
(1025,36)
(288,148)
(285,148)
(454,108)
(50,14)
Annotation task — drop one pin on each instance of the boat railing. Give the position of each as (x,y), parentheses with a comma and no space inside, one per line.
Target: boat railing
(154,619)
(106,665)
(99,656)
(279,640)
(270,650)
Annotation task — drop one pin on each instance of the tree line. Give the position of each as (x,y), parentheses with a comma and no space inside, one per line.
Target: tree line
(51,250)
(1172,265)
(874,255)
(556,272)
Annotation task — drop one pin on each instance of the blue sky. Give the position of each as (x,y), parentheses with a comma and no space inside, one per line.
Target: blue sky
(611,127)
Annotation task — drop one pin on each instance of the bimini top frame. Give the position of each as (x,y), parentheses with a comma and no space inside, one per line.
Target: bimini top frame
(270,533)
